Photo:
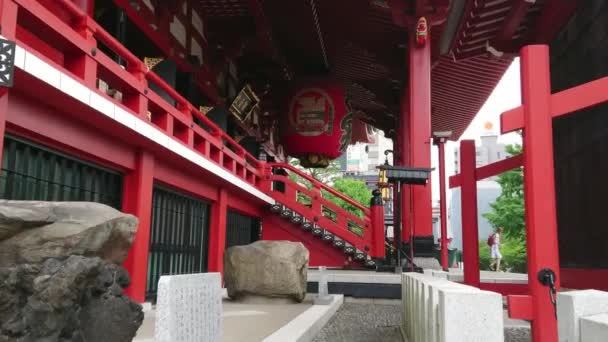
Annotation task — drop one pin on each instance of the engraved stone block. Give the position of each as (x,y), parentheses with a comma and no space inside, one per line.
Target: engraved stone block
(189,308)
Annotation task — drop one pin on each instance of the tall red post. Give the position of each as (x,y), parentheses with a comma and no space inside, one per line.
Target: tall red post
(440,142)
(377,224)
(217,232)
(419,135)
(137,200)
(468,200)
(539,187)
(403,145)
(8,29)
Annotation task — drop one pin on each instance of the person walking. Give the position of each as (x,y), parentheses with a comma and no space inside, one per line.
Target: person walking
(494,242)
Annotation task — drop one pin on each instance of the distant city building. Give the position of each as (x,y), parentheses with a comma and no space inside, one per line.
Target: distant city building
(487,192)
(365,157)
(488,152)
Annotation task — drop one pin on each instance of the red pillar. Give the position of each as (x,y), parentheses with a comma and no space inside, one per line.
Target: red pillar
(404,160)
(468,199)
(217,232)
(377,223)
(419,134)
(442,203)
(539,186)
(137,200)
(8,28)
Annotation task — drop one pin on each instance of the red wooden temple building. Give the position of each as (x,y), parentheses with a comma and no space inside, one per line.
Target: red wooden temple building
(184,113)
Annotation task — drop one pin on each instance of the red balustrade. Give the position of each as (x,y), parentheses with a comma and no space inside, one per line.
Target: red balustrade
(356,230)
(75,38)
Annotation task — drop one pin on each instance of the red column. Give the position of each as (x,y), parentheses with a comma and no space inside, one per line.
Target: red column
(539,186)
(419,134)
(468,199)
(404,160)
(217,232)
(8,26)
(137,200)
(377,223)
(442,204)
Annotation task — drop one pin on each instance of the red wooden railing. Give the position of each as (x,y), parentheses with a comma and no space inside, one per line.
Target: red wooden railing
(354,229)
(75,36)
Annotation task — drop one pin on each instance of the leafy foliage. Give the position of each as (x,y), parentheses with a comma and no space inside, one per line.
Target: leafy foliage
(508,209)
(325,175)
(353,188)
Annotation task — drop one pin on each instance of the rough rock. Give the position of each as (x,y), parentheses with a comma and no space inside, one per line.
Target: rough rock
(15,219)
(31,232)
(267,268)
(71,300)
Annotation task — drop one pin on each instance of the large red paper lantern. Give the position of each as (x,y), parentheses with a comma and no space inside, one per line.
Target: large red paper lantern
(317,126)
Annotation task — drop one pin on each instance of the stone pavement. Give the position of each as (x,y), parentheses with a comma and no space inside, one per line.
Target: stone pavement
(250,321)
(364,322)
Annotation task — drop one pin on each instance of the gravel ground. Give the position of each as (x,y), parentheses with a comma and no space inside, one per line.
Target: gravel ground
(367,322)
(517,334)
(361,322)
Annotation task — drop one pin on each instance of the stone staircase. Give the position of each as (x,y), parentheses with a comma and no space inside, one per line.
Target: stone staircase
(341,242)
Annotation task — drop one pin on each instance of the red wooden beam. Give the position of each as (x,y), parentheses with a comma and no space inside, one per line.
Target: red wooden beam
(539,185)
(499,167)
(562,103)
(137,200)
(491,170)
(553,17)
(513,20)
(420,7)
(520,307)
(217,232)
(469,13)
(397,11)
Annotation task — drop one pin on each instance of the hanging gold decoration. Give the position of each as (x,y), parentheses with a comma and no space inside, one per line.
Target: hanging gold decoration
(151,62)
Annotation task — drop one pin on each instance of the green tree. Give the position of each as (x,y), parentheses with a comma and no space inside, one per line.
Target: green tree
(508,209)
(353,188)
(325,175)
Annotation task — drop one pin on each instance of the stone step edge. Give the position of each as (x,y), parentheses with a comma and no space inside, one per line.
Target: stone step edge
(306,326)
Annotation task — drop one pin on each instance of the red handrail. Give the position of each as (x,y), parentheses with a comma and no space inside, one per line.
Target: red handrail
(323,186)
(73,10)
(137,68)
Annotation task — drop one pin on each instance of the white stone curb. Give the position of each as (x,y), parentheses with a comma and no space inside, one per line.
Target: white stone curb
(307,325)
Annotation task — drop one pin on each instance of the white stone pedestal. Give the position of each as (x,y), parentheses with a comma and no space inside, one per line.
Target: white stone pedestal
(189,308)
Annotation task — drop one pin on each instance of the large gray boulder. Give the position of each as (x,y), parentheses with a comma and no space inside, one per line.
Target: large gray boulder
(76,299)
(31,232)
(267,268)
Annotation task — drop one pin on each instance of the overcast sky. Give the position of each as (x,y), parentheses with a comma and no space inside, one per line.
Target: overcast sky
(506,95)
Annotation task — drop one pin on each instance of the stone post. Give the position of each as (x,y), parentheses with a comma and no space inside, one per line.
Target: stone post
(323,297)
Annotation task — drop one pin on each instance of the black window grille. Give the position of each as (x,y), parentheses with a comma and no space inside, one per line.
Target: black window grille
(31,172)
(241,229)
(178,237)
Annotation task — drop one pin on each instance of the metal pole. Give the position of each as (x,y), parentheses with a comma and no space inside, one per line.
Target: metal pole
(539,188)
(442,205)
(397,228)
